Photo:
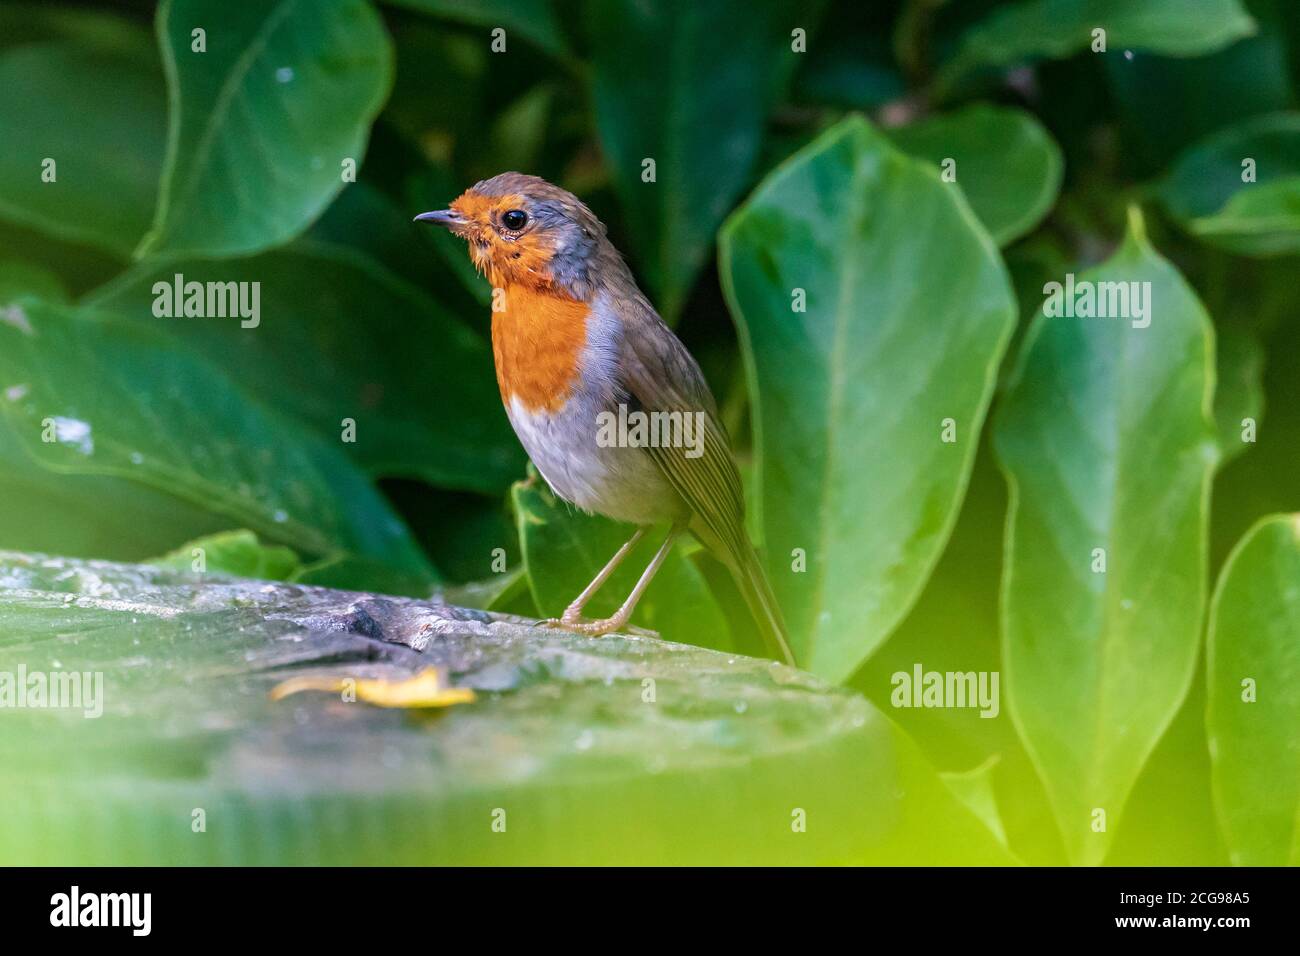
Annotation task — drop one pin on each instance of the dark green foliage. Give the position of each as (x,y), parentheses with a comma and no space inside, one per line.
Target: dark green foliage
(350,433)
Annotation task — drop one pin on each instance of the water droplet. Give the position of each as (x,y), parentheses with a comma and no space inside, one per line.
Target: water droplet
(284,74)
(280,516)
(15,316)
(74,433)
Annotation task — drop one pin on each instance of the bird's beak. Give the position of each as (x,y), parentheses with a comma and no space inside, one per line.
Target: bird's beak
(443,217)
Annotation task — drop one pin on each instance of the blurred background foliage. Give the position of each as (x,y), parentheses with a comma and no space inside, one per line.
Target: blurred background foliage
(234,165)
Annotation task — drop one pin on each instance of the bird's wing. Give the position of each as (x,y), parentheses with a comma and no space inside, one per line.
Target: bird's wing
(660,375)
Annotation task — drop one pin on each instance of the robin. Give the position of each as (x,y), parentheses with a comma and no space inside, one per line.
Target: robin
(577,346)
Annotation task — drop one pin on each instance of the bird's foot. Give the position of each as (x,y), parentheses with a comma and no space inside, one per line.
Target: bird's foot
(596,628)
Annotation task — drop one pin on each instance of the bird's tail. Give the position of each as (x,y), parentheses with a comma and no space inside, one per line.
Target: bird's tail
(753,584)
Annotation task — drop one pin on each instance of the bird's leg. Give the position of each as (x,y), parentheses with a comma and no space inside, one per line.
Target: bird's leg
(573,613)
(621,616)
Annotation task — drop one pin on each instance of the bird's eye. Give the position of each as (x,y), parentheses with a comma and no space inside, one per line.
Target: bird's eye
(515,220)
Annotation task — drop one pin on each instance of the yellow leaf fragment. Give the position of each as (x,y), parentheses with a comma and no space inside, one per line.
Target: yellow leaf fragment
(428,688)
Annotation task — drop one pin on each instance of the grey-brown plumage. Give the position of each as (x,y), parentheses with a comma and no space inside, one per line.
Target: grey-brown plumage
(574,307)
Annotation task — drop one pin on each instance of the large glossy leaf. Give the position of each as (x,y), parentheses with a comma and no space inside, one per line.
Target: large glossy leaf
(93,104)
(263,120)
(1107,442)
(534,20)
(416,382)
(1253,708)
(1008,166)
(1036,29)
(1206,193)
(132,403)
(688,85)
(563,549)
(64,511)
(908,309)
(617,750)
(45,509)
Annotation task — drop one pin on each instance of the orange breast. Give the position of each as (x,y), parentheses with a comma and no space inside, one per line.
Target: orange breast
(537,341)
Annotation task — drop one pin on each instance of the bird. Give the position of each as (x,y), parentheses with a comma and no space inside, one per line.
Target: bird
(576,345)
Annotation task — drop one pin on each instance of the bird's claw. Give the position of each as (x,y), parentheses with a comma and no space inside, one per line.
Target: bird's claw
(597,628)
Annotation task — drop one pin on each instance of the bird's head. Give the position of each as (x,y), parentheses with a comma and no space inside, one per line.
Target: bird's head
(523,230)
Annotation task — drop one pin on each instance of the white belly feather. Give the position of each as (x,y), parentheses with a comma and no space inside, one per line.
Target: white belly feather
(619,482)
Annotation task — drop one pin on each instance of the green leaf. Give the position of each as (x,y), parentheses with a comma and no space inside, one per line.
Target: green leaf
(64,512)
(1007,165)
(850,397)
(1263,221)
(264,121)
(609,751)
(563,550)
(21,280)
(534,20)
(1239,391)
(1168,103)
(722,64)
(67,513)
(129,402)
(953,628)
(234,553)
(92,105)
(37,22)
(1205,192)
(1253,706)
(975,789)
(383,355)
(1106,440)
(1055,29)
